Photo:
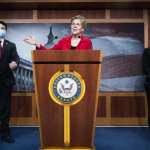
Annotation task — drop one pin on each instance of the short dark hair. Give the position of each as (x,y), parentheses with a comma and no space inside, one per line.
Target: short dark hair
(4,24)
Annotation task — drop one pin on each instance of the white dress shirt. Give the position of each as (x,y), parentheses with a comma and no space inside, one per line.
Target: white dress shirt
(2,42)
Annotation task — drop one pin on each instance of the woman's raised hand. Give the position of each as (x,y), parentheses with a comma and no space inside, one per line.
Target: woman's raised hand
(30,40)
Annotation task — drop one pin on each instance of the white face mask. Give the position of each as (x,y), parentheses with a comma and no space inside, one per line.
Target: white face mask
(2,33)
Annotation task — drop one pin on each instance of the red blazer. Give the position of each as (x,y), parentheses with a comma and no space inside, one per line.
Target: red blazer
(65,44)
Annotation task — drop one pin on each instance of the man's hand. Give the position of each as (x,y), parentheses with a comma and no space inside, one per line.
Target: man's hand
(12,65)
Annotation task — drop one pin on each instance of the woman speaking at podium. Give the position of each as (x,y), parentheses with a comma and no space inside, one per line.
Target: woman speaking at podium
(75,41)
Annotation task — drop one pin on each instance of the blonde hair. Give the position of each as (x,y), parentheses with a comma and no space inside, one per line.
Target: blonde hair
(81,18)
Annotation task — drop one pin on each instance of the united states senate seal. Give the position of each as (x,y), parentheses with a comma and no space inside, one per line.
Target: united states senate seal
(66,88)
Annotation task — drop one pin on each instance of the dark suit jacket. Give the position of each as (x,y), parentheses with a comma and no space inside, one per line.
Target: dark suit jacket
(9,54)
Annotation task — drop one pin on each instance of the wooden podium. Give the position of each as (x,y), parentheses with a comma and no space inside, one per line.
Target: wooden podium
(64,127)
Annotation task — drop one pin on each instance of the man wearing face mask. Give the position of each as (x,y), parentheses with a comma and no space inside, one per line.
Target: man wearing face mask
(9,60)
